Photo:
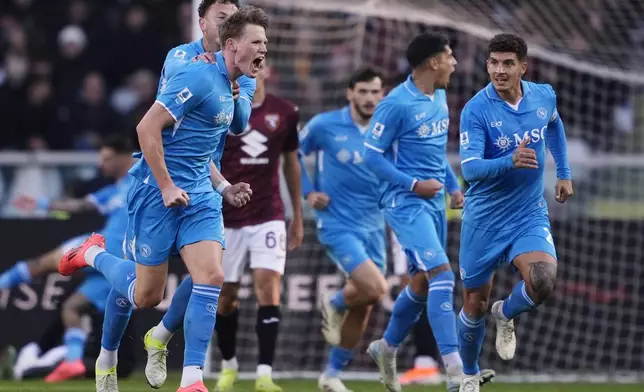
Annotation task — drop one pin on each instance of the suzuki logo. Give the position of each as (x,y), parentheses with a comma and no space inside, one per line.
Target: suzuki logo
(254,144)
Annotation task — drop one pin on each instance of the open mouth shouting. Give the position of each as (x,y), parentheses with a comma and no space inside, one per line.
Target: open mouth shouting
(256,64)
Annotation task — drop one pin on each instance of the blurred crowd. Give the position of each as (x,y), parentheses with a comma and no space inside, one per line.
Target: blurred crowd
(72,71)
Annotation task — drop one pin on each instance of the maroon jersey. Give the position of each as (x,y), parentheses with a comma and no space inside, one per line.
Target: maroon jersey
(254,158)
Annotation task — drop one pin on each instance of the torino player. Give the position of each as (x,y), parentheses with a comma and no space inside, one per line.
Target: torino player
(258,229)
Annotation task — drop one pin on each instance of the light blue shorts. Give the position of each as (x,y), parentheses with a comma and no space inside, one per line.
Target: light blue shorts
(349,249)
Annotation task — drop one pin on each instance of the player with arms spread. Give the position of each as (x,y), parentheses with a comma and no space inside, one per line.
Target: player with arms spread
(257,229)
(172,204)
(505,129)
(349,222)
(406,149)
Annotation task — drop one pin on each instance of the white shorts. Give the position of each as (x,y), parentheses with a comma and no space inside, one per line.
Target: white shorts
(398,255)
(265,243)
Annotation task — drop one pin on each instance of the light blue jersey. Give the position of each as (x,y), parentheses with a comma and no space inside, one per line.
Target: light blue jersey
(505,212)
(406,143)
(411,129)
(199,98)
(352,226)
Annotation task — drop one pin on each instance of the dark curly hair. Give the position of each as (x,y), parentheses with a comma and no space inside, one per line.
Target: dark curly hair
(508,43)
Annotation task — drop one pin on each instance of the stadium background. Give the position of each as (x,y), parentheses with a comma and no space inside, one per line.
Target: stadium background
(74,71)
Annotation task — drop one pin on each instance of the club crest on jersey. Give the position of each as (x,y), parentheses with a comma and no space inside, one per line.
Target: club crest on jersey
(272,121)
(542,113)
(503,142)
(180,54)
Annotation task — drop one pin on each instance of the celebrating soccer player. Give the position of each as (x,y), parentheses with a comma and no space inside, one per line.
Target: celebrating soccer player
(257,229)
(406,149)
(172,200)
(349,222)
(505,130)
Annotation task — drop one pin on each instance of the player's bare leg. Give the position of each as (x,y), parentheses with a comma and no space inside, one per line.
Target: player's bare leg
(539,273)
(227,320)
(203,260)
(74,340)
(267,291)
(369,287)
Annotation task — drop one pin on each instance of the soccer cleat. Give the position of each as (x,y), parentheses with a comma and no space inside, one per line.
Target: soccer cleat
(66,370)
(106,381)
(196,387)
(155,367)
(331,321)
(331,384)
(74,260)
(266,384)
(506,339)
(423,376)
(226,381)
(27,356)
(385,358)
(454,377)
(470,384)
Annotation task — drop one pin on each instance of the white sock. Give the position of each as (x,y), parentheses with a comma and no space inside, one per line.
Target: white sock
(231,364)
(497,311)
(190,375)
(91,253)
(453,361)
(425,362)
(106,360)
(264,370)
(161,333)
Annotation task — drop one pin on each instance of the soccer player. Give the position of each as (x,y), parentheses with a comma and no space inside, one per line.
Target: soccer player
(212,14)
(115,161)
(505,129)
(406,149)
(172,200)
(257,229)
(349,222)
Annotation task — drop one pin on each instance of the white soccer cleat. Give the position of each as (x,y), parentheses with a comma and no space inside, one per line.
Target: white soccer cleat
(155,368)
(385,358)
(107,381)
(331,384)
(27,357)
(470,384)
(506,339)
(331,321)
(454,376)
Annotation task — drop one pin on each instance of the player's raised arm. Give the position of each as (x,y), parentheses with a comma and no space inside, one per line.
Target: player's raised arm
(243,105)
(473,163)
(181,94)
(385,123)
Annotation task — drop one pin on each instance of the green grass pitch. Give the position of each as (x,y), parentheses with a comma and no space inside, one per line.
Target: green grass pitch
(136,383)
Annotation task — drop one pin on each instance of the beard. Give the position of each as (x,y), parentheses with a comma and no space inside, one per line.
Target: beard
(362,113)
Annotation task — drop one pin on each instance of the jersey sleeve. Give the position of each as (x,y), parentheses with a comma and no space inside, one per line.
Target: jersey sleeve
(176,58)
(101,198)
(292,142)
(384,126)
(184,91)
(555,138)
(310,136)
(243,105)
(472,135)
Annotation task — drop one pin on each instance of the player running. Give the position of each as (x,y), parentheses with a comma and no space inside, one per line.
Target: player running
(505,129)
(406,149)
(258,229)
(172,201)
(349,222)
(115,161)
